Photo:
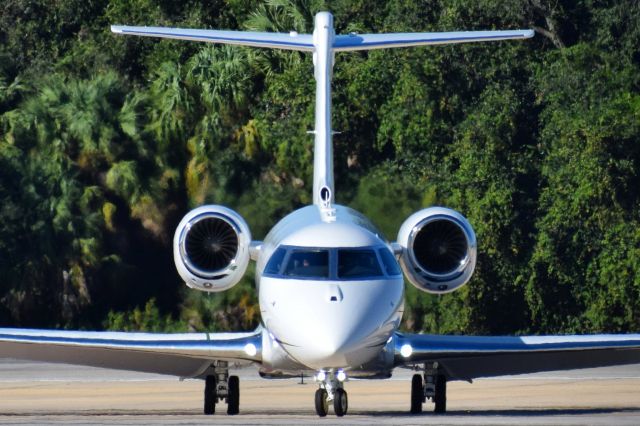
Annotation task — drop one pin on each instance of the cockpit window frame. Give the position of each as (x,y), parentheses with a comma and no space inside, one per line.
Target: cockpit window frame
(333,263)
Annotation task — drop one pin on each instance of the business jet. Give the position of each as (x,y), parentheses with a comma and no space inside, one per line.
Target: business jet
(331,288)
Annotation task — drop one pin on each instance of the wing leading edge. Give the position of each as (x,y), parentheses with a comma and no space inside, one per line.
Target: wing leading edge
(469,357)
(178,354)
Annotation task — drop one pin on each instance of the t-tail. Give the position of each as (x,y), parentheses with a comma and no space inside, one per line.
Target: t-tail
(323,43)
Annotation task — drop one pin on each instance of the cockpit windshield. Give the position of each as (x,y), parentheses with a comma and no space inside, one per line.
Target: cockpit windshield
(358,263)
(275,262)
(332,263)
(308,264)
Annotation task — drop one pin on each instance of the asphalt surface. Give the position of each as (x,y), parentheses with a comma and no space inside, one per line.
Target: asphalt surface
(38,393)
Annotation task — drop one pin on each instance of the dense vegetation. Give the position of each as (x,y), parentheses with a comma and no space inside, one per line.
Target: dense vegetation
(106,141)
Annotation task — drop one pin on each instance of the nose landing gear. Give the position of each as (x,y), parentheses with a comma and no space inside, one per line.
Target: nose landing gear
(331,389)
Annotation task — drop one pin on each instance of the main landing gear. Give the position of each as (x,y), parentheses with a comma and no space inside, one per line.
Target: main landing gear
(434,387)
(331,390)
(220,386)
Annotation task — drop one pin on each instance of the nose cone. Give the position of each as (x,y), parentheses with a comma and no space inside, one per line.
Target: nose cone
(334,325)
(336,342)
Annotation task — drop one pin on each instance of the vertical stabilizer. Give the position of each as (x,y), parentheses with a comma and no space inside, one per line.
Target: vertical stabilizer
(323,35)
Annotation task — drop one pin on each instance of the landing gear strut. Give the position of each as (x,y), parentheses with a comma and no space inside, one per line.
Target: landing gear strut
(220,386)
(434,387)
(331,389)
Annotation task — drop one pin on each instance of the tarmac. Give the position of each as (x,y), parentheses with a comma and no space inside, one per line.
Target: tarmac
(39,393)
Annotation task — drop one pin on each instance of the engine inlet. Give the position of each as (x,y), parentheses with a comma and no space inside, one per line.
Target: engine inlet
(440,246)
(211,243)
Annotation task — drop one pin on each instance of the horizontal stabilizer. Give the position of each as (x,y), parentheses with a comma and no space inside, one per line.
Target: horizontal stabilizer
(289,41)
(304,42)
(381,41)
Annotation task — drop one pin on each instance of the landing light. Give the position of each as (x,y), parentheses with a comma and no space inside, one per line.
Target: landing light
(321,376)
(250,349)
(341,376)
(406,350)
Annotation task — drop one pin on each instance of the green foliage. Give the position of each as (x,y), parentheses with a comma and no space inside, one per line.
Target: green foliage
(106,141)
(489,161)
(148,319)
(388,200)
(232,310)
(590,170)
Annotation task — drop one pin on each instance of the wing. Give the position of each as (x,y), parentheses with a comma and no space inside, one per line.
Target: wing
(289,41)
(178,354)
(468,357)
(381,41)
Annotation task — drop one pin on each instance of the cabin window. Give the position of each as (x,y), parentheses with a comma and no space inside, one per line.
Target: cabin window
(308,264)
(358,264)
(389,262)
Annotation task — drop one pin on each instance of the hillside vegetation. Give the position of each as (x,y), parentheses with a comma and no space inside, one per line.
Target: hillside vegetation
(107,141)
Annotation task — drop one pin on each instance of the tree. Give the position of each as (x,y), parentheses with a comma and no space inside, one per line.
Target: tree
(589,196)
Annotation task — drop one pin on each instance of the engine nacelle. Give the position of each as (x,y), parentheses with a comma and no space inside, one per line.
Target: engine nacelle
(439,249)
(211,248)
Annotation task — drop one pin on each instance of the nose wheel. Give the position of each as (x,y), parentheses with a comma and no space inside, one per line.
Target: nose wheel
(340,403)
(322,403)
(331,390)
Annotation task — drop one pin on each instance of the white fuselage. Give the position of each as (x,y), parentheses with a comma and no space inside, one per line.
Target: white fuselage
(333,319)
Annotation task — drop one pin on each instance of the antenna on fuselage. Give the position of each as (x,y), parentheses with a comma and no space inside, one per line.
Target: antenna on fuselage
(323,43)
